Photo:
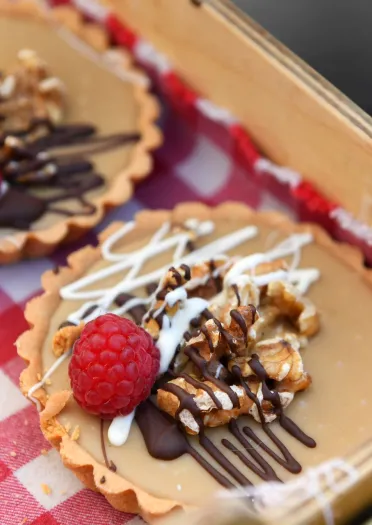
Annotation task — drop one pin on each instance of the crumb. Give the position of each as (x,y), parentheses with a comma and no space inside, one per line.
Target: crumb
(44,451)
(76,433)
(63,492)
(102,480)
(25,520)
(48,381)
(38,376)
(47,397)
(46,489)
(68,427)
(13,454)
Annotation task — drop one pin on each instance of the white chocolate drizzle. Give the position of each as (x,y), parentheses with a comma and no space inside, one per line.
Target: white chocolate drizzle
(119,429)
(290,246)
(171,333)
(172,329)
(134,262)
(46,376)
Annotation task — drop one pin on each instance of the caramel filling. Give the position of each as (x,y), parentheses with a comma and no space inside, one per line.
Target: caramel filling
(334,410)
(86,84)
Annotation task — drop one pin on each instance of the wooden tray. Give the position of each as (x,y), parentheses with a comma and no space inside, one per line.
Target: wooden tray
(296,118)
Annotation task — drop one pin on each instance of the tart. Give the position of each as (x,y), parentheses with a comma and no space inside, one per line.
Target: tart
(257,321)
(77,128)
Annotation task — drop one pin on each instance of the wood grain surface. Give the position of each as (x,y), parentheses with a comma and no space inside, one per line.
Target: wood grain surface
(296,117)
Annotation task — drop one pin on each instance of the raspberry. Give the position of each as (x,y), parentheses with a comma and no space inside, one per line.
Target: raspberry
(113,366)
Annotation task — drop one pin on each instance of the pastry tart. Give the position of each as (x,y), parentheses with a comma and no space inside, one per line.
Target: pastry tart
(77,128)
(257,368)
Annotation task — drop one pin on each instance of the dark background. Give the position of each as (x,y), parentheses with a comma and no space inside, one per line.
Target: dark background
(333,36)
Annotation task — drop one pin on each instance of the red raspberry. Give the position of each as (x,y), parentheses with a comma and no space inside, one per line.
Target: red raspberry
(113,366)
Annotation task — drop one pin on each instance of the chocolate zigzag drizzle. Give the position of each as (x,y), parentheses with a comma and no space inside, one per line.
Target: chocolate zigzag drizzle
(48,157)
(166,439)
(165,434)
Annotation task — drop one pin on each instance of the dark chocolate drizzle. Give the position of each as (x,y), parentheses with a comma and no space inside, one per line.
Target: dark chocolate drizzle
(151,288)
(239,319)
(203,386)
(40,160)
(248,442)
(166,439)
(273,397)
(236,291)
(211,287)
(218,281)
(261,467)
(190,246)
(160,296)
(287,460)
(230,341)
(173,443)
(89,311)
(161,433)
(222,460)
(109,464)
(193,354)
(66,323)
(187,271)
(137,312)
(186,402)
(177,277)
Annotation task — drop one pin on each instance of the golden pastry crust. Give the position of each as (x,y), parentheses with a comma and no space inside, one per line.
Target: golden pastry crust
(120,493)
(65,337)
(42,242)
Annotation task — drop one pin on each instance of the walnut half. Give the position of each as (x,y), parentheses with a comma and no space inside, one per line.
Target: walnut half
(300,310)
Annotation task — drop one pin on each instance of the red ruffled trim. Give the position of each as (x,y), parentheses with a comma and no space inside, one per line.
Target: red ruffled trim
(177,90)
(306,192)
(312,206)
(244,145)
(56,3)
(120,33)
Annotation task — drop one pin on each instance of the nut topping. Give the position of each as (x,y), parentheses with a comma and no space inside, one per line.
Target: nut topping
(290,303)
(212,416)
(28,92)
(65,338)
(243,321)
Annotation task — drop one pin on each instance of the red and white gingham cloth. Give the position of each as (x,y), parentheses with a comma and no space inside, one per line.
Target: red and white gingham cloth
(207,156)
